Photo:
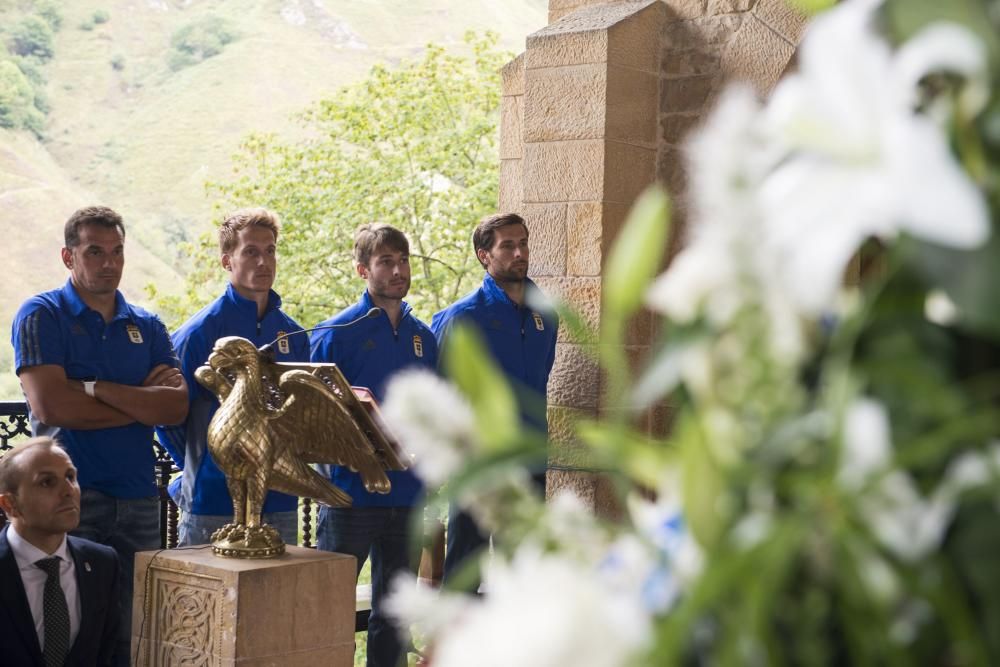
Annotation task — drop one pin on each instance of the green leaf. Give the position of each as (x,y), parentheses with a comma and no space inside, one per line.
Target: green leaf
(812,7)
(704,484)
(905,18)
(969,278)
(636,255)
(471,367)
(643,459)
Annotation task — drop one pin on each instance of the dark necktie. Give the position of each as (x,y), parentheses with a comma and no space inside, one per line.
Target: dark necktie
(55,615)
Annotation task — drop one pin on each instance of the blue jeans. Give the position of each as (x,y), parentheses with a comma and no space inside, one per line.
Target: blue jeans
(198,528)
(127,525)
(383,532)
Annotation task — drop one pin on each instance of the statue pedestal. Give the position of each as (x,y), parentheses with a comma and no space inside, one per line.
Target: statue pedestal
(192,607)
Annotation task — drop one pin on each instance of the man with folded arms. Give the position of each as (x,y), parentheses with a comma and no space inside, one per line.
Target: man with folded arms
(98,373)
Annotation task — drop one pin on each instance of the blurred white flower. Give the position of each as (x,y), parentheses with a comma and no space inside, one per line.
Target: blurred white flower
(434,424)
(948,48)
(904,521)
(677,560)
(879,578)
(860,162)
(572,526)
(633,565)
(428,610)
(702,275)
(866,446)
(730,156)
(752,529)
(973,469)
(545,610)
(785,194)
(939,308)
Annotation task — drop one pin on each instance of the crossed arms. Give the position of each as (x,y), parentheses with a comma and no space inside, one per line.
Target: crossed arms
(58,401)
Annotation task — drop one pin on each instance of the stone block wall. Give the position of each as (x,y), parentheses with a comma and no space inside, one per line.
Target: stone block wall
(596,109)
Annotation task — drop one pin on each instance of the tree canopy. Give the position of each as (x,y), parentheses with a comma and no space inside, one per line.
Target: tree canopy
(414,146)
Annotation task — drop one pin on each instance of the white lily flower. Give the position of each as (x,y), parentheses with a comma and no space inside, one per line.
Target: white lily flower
(546,610)
(430,611)
(571,525)
(903,520)
(786,194)
(433,422)
(945,47)
(860,162)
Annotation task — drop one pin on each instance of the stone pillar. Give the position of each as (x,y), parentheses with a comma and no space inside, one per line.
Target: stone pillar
(192,607)
(595,110)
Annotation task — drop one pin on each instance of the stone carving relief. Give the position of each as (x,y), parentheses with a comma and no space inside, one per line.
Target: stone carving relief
(185,614)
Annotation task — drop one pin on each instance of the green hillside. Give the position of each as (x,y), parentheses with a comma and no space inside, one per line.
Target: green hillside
(139,118)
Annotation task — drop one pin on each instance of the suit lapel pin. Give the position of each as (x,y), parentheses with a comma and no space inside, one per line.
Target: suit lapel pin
(86,566)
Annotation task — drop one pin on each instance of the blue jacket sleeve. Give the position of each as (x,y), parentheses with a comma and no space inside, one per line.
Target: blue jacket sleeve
(36,337)
(163,349)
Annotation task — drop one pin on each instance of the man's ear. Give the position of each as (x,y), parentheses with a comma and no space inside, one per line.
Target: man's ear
(227,263)
(362,270)
(481,255)
(8,505)
(67,258)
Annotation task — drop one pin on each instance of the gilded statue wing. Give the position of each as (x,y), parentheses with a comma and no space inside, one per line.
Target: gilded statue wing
(318,427)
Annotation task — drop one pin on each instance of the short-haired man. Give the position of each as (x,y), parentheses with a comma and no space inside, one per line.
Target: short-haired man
(98,373)
(369,351)
(248,308)
(58,594)
(522,342)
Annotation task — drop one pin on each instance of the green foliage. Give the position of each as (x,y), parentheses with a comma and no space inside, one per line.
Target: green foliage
(413,146)
(50,11)
(31,36)
(18,108)
(474,372)
(793,572)
(200,40)
(29,40)
(811,7)
(100,16)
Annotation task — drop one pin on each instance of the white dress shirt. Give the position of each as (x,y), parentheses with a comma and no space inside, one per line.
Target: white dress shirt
(33,578)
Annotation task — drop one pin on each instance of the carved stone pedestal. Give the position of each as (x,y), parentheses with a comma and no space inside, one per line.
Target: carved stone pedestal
(194,608)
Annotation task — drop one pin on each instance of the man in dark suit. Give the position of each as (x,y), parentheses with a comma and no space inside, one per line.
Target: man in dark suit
(58,594)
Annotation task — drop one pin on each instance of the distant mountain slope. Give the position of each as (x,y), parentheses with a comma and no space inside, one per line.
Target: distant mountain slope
(128,130)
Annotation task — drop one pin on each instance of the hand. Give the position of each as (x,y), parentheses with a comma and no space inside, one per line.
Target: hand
(163,375)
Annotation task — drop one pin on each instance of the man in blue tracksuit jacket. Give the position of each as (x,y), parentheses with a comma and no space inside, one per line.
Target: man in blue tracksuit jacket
(251,309)
(369,351)
(522,342)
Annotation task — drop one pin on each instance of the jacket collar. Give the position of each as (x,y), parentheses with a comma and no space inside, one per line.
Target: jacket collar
(76,305)
(367,304)
(249,306)
(496,294)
